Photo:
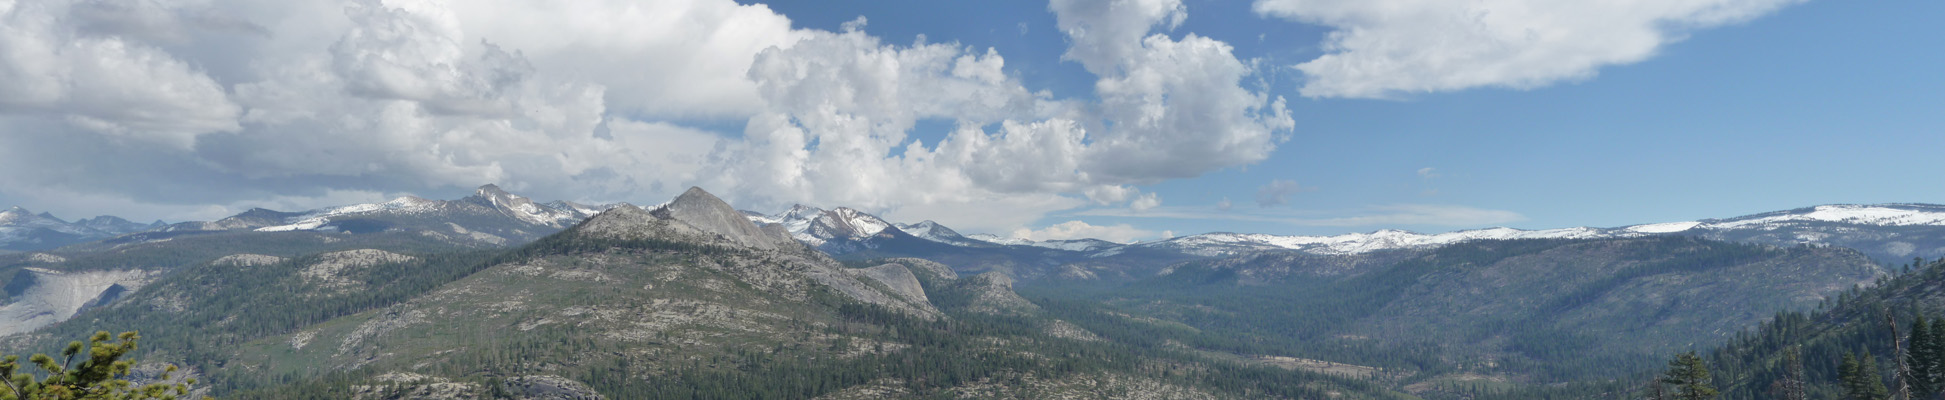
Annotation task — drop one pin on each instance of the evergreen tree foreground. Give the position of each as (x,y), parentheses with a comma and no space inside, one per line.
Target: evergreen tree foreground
(98,375)
(1690,377)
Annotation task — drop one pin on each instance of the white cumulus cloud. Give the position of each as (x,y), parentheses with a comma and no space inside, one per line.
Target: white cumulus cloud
(1145,202)
(1178,107)
(291,103)
(105,84)
(1382,48)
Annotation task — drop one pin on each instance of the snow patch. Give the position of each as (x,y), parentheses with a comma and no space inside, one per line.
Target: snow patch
(1665,227)
(1000,240)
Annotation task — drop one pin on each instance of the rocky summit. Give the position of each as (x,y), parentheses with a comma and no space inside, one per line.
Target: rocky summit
(709,214)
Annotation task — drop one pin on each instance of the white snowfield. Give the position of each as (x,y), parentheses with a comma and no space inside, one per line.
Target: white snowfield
(1665,227)
(1880,215)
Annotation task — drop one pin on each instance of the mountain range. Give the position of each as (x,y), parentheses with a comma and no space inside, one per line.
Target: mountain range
(494,217)
(408,293)
(490,217)
(22,230)
(688,299)
(1889,233)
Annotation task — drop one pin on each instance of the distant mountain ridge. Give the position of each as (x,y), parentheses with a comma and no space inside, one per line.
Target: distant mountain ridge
(23,230)
(492,216)
(1896,232)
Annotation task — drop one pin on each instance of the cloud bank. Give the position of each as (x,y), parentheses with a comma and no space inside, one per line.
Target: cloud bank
(188,110)
(196,110)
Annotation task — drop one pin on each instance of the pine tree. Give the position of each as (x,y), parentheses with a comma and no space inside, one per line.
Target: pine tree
(98,375)
(1920,356)
(1791,386)
(1655,390)
(1690,376)
(1936,378)
(1850,376)
(1871,380)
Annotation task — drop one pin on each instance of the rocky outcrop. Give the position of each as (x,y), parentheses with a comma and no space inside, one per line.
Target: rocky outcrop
(992,293)
(633,223)
(847,282)
(927,268)
(41,297)
(334,270)
(549,387)
(709,214)
(1067,330)
(898,279)
(406,385)
(247,260)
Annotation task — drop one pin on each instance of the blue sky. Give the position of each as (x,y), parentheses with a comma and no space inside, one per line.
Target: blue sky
(1030,118)
(1822,102)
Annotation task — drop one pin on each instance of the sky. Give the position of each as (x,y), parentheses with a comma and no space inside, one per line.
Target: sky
(1116,119)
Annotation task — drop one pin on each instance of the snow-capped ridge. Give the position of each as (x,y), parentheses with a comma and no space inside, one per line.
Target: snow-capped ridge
(859,223)
(1218,244)
(933,231)
(525,209)
(555,215)
(1905,214)
(1000,240)
(315,219)
(842,226)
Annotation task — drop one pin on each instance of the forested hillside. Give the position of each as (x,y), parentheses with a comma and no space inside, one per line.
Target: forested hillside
(1532,312)
(1891,325)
